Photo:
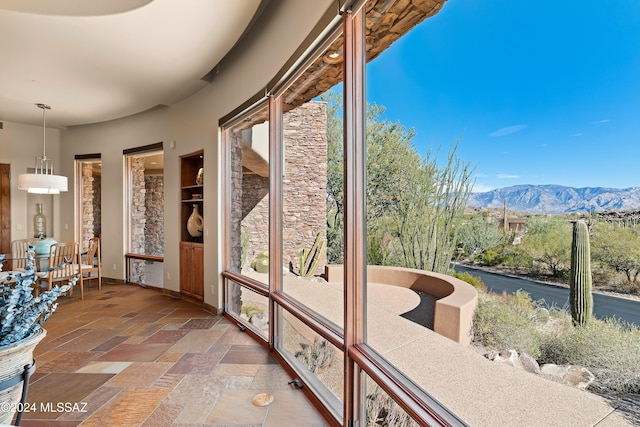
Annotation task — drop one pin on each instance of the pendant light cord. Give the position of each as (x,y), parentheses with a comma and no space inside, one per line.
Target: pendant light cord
(44,136)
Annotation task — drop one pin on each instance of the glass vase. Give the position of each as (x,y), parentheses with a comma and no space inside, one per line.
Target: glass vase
(39,223)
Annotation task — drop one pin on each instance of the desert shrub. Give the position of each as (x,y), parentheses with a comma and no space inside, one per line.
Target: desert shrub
(474,281)
(250,310)
(489,258)
(626,287)
(316,356)
(609,348)
(514,257)
(384,411)
(261,262)
(507,322)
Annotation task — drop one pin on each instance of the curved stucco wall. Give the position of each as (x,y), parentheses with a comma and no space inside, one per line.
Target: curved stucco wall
(455,299)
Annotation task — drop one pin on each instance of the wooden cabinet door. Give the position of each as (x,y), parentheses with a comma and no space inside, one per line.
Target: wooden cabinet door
(198,271)
(192,270)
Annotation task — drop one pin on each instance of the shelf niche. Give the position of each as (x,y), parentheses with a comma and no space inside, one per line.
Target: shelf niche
(191,248)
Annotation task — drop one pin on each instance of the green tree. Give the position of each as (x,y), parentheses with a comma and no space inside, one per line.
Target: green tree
(618,247)
(548,241)
(479,233)
(335,179)
(413,204)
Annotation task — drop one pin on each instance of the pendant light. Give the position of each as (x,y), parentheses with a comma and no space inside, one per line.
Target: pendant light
(43,180)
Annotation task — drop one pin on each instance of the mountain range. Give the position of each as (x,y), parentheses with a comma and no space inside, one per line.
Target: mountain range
(557,199)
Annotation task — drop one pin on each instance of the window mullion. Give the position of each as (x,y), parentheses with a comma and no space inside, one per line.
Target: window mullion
(354,207)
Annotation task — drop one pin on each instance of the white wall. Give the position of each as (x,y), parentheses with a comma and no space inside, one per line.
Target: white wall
(19,146)
(193,125)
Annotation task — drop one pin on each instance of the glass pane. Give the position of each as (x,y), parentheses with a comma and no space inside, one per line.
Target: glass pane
(314,359)
(312,185)
(382,410)
(415,199)
(254,308)
(249,216)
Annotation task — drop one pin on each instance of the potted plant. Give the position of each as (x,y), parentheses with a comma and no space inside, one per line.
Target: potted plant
(21,319)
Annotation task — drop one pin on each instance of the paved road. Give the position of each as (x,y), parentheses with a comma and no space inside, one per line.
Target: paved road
(603,305)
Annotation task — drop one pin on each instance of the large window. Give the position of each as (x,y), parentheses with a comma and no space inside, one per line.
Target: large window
(296,220)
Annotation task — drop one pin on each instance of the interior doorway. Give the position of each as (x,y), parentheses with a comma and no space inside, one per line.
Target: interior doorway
(89,199)
(145,215)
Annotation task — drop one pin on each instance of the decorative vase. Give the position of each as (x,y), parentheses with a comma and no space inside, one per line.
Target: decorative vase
(43,246)
(39,223)
(195,222)
(200,176)
(13,360)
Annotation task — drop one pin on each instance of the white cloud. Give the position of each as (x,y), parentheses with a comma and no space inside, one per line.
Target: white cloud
(481,175)
(507,130)
(600,121)
(481,188)
(506,176)
(577,134)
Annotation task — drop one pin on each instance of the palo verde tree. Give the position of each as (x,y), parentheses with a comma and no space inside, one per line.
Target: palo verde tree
(618,247)
(479,233)
(548,242)
(413,203)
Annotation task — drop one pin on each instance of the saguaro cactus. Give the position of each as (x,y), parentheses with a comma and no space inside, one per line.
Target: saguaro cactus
(580,281)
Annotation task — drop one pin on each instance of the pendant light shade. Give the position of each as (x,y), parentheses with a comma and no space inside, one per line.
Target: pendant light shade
(43,180)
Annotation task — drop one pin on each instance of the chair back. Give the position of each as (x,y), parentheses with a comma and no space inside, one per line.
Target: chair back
(19,250)
(93,252)
(63,258)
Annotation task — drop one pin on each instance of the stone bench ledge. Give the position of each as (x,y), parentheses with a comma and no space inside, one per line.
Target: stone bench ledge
(455,299)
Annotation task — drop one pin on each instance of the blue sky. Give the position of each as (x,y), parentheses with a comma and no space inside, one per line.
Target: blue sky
(542,92)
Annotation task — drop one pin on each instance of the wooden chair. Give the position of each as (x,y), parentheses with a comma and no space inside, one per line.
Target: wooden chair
(91,264)
(63,258)
(19,253)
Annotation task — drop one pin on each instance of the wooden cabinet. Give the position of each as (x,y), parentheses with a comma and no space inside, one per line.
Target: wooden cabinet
(191,242)
(192,270)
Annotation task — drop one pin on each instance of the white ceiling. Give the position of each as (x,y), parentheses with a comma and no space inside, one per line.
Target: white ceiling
(99,60)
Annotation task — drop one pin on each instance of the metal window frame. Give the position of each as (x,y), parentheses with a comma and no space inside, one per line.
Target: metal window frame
(359,358)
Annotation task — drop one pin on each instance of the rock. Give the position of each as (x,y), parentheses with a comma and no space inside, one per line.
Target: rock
(576,376)
(521,360)
(260,321)
(508,357)
(528,363)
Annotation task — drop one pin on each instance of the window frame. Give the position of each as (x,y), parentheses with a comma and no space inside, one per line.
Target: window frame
(360,358)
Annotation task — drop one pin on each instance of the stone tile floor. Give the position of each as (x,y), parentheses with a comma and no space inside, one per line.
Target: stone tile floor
(129,356)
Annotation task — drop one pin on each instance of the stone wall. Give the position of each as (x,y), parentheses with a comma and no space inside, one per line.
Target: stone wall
(154,207)
(235,244)
(138,206)
(255,214)
(97,204)
(304,189)
(138,219)
(91,203)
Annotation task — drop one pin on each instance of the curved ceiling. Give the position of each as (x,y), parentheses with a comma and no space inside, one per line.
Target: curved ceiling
(98,61)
